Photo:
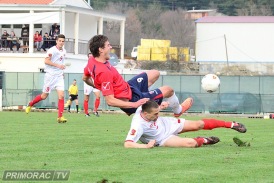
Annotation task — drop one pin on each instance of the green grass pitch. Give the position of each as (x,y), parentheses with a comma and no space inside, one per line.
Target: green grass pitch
(92,149)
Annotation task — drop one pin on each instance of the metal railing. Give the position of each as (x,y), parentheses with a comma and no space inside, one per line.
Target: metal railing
(237,94)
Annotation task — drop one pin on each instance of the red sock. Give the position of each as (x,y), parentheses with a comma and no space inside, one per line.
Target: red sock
(96,104)
(214,123)
(200,141)
(35,100)
(61,104)
(86,106)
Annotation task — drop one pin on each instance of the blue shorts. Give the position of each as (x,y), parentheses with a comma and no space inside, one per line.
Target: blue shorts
(139,88)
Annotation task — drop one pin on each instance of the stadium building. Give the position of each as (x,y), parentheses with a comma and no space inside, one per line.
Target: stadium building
(77,21)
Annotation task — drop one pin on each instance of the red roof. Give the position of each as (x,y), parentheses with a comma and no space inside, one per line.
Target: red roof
(26,1)
(236,19)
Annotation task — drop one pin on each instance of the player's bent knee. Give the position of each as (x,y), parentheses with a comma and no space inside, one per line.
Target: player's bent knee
(167,91)
(153,75)
(44,96)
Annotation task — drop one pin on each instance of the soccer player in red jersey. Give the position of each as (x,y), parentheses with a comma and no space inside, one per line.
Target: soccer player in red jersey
(129,95)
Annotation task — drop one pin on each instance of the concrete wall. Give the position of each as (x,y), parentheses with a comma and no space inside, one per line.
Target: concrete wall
(11,62)
(246,42)
(87,24)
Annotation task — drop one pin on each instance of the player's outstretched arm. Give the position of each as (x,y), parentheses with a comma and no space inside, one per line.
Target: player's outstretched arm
(112,101)
(129,144)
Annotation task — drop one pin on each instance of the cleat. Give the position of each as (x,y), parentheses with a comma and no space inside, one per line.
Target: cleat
(239,127)
(87,115)
(78,112)
(210,140)
(61,120)
(96,113)
(69,112)
(185,106)
(28,109)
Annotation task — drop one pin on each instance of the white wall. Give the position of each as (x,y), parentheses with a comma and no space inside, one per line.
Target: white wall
(10,62)
(87,24)
(14,62)
(246,42)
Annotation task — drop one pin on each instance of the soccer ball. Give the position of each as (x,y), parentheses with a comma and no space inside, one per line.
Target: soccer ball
(210,83)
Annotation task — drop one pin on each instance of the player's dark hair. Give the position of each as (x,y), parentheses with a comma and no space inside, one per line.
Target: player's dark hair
(61,36)
(150,104)
(97,42)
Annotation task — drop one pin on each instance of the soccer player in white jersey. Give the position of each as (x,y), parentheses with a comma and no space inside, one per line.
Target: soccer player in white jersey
(54,77)
(153,130)
(87,90)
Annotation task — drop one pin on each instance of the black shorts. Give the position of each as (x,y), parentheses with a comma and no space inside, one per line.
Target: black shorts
(73,97)
(139,88)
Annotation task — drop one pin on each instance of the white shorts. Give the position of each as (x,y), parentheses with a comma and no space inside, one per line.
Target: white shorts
(173,130)
(88,89)
(53,82)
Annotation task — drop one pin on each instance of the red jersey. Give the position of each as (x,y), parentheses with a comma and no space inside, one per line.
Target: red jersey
(107,79)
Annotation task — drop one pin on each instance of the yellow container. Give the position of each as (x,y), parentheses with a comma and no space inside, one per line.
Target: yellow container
(148,43)
(184,50)
(161,43)
(159,50)
(158,57)
(173,50)
(187,58)
(143,56)
(173,53)
(143,50)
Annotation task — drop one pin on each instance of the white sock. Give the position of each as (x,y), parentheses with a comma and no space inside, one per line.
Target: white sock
(174,104)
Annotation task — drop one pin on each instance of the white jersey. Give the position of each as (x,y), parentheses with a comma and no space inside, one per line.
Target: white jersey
(58,57)
(159,130)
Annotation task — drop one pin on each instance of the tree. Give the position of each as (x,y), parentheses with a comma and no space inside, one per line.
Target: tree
(177,28)
(133,30)
(252,9)
(133,25)
(151,27)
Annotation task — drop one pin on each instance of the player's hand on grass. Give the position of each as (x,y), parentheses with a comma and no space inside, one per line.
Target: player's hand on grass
(151,144)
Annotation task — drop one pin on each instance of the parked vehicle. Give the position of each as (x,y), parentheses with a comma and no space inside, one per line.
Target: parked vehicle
(113,60)
(134,53)
(239,103)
